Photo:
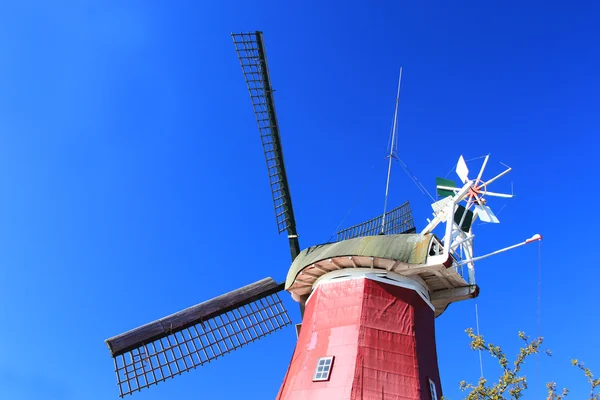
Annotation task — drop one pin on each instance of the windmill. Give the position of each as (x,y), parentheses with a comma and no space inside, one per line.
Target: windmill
(368,300)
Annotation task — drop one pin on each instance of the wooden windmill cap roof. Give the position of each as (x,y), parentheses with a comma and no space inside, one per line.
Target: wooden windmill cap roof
(382,252)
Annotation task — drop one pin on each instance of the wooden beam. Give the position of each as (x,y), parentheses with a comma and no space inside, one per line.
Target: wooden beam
(300,284)
(353,262)
(453,277)
(311,274)
(335,263)
(191,316)
(321,268)
(455,294)
(419,269)
(444,280)
(303,279)
(393,266)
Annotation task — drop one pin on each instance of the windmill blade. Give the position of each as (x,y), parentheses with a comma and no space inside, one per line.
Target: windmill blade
(486,214)
(461,170)
(463,217)
(500,175)
(483,167)
(503,195)
(445,187)
(399,220)
(251,53)
(197,335)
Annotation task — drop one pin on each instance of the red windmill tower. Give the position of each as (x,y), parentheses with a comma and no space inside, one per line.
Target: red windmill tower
(368,300)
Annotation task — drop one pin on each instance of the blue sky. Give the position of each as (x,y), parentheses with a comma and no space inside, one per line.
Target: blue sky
(134,185)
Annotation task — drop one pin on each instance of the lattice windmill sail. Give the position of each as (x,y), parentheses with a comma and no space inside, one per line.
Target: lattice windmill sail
(253,59)
(197,335)
(383,257)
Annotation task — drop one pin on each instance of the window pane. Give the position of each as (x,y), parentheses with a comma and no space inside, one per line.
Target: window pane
(323,368)
(432,390)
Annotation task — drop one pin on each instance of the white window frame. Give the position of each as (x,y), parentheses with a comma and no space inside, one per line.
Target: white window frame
(323,369)
(433,390)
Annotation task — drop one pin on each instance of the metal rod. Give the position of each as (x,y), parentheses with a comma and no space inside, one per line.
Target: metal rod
(477,322)
(482,168)
(534,238)
(463,240)
(391,155)
(500,175)
(503,195)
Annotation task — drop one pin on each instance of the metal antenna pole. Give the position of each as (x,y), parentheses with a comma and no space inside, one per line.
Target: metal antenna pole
(391,155)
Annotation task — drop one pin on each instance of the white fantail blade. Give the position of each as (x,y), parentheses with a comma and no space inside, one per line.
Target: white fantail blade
(500,175)
(486,214)
(503,195)
(534,238)
(483,167)
(461,170)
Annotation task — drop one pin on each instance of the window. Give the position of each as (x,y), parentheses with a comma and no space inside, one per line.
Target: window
(432,390)
(323,369)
